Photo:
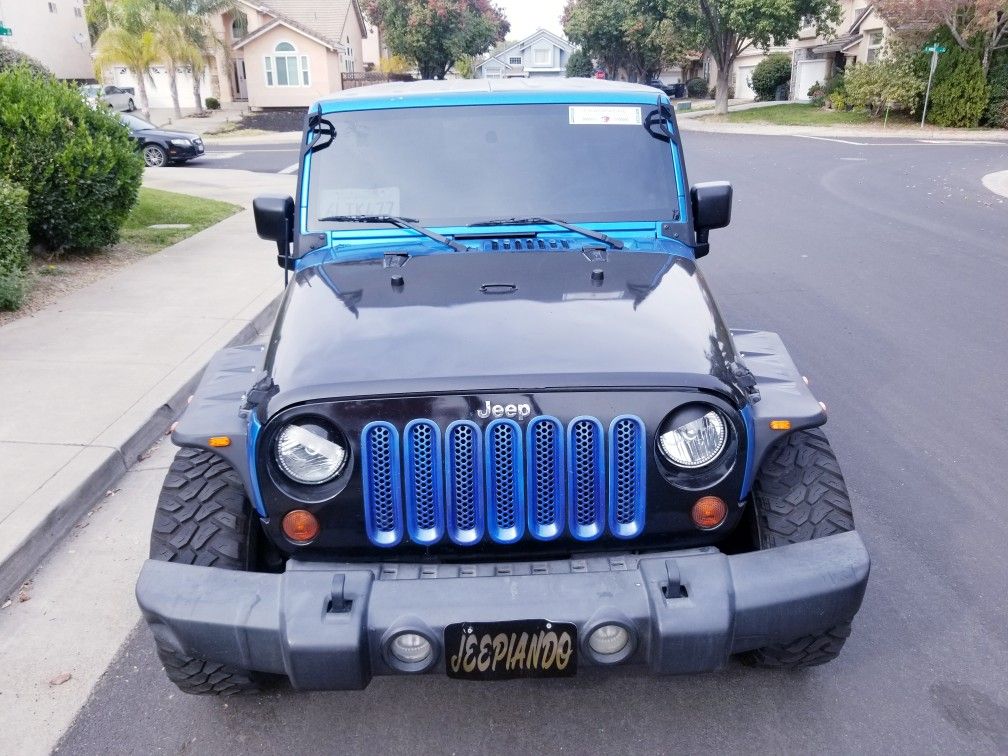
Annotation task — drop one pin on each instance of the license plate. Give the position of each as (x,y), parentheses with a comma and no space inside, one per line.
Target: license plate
(506,650)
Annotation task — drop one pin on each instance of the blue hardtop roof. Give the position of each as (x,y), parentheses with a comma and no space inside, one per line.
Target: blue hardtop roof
(488,92)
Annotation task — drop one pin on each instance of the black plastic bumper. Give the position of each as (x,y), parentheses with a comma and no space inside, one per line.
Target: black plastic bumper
(326,626)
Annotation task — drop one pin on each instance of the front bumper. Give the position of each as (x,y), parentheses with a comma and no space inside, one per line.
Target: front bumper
(177,152)
(326,626)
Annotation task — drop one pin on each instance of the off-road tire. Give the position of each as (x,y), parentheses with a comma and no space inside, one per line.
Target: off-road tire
(800,494)
(203,518)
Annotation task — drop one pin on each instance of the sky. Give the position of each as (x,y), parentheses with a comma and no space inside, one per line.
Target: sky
(528,15)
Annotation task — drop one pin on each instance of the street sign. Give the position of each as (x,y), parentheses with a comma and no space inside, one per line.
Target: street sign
(934,48)
(600,74)
(5,31)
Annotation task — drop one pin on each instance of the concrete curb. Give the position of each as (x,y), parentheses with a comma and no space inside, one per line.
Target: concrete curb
(83,495)
(701,123)
(997,182)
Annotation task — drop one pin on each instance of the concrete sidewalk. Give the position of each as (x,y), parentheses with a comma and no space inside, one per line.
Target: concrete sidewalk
(92,380)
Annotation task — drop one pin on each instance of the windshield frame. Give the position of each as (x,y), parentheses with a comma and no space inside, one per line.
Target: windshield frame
(676,226)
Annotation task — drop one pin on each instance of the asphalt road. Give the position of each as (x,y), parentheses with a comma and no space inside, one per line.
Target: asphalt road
(262,158)
(885,268)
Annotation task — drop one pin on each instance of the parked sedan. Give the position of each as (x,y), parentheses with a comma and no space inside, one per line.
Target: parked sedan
(111,97)
(161,147)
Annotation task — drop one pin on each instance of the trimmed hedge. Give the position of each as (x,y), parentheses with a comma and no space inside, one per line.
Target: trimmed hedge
(696,87)
(212,103)
(959,92)
(770,73)
(13,244)
(80,169)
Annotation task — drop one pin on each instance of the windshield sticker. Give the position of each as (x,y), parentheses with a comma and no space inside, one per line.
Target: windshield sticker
(605,115)
(382,200)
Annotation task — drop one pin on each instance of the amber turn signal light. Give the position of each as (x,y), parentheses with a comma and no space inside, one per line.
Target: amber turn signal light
(780,425)
(300,525)
(709,512)
(219,442)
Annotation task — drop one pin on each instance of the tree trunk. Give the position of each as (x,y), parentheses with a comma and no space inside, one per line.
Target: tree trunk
(173,90)
(196,90)
(142,92)
(723,83)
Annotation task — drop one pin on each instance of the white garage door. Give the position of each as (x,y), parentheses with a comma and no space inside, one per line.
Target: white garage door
(809,72)
(743,74)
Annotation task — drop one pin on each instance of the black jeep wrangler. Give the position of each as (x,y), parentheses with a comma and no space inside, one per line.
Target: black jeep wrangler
(499,428)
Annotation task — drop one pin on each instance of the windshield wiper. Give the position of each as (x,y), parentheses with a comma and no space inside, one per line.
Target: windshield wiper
(398,222)
(596,235)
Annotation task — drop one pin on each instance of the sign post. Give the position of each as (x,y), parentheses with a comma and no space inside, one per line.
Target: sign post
(934,49)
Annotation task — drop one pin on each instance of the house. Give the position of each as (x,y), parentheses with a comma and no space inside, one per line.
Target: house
(276,54)
(543,53)
(860,38)
(54,33)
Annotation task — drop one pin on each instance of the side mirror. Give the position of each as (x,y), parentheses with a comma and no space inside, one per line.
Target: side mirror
(711,202)
(274,220)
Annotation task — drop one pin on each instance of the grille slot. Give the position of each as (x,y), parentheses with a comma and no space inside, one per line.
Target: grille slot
(585,478)
(505,483)
(424,483)
(544,451)
(464,472)
(382,483)
(627,470)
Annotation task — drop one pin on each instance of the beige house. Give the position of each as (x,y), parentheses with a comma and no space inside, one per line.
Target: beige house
(860,37)
(54,33)
(277,54)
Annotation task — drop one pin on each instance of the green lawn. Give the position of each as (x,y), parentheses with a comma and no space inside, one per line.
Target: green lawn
(797,114)
(155,206)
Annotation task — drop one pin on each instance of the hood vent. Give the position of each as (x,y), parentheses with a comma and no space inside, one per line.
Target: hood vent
(521,244)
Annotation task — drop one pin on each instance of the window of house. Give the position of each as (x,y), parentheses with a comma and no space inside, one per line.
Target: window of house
(875,40)
(514,60)
(541,56)
(79,12)
(239,26)
(52,7)
(285,68)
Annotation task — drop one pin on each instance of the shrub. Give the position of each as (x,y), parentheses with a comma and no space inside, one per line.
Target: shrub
(212,103)
(13,244)
(996,113)
(817,94)
(890,82)
(10,58)
(579,64)
(959,92)
(770,73)
(80,169)
(696,87)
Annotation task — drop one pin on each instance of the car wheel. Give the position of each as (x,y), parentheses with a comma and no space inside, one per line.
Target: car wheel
(130,107)
(799,495)
(203,517)
(154,156)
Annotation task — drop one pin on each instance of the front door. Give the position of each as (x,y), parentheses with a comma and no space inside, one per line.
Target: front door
(241,89)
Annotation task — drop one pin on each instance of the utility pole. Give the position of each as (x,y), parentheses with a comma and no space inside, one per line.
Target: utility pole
(934,49)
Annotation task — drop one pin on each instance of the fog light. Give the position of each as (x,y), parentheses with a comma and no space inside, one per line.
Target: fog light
(608,639)
(709,512)
(410,648)
(300,525)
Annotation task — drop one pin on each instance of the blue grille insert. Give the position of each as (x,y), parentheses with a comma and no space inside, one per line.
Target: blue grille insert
(544,454)
(424,482)
(382,480)
(626,476)
(505,484)
(464,474)
(585,478)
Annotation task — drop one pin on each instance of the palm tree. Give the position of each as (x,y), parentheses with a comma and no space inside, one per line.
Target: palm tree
(194,17)
(176,49)
(129,40)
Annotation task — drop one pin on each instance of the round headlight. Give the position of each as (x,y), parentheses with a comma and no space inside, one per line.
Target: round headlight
(309,453)
(694,437)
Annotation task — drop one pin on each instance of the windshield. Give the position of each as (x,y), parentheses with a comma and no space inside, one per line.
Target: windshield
(459,165)
(90,90)
(137,124)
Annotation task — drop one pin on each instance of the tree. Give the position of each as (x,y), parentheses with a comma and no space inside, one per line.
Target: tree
(176,49)
(639,36)
(579,64)
(731,26)
(194,17)
(437,33)
(978,25)
(130,41)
